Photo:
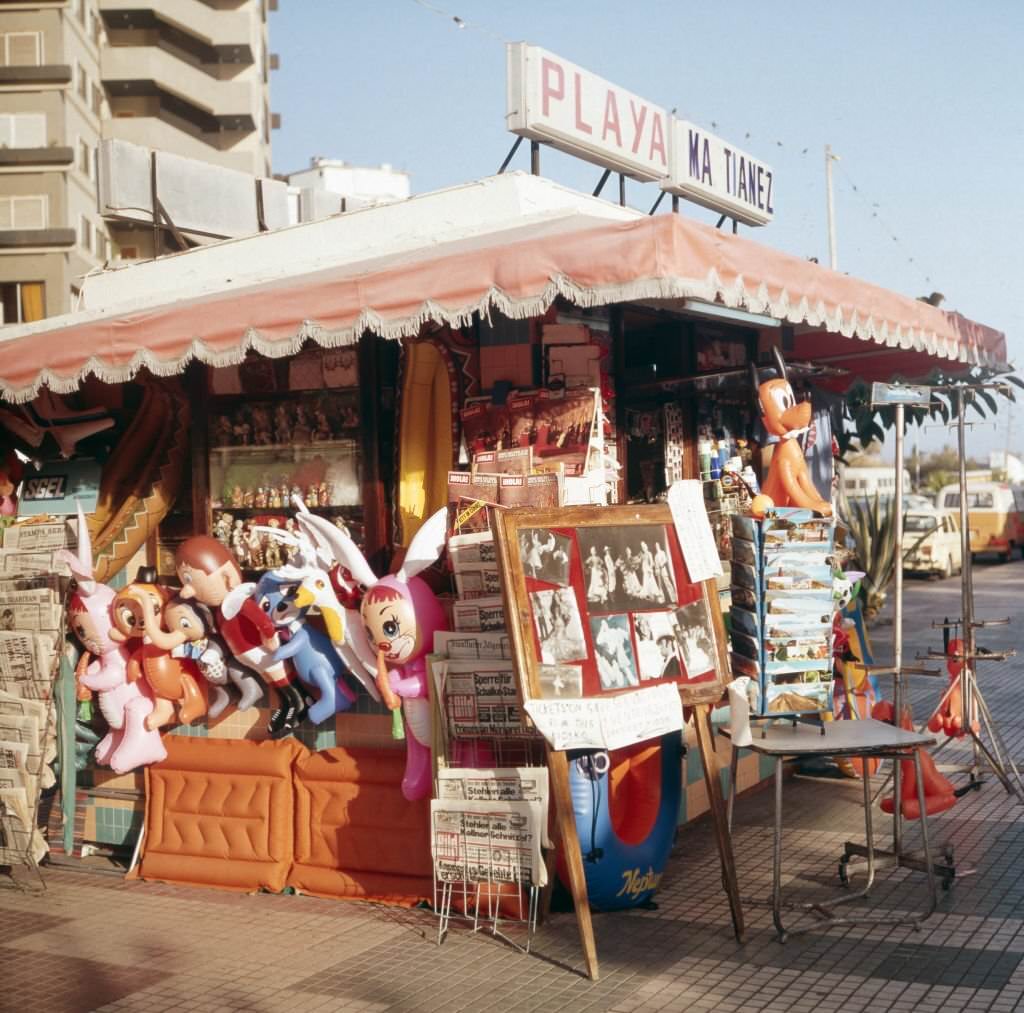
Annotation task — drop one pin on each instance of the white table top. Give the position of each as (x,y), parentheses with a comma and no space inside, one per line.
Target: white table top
(840,737)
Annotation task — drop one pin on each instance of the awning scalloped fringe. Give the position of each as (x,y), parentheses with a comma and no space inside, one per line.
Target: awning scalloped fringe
(711,289)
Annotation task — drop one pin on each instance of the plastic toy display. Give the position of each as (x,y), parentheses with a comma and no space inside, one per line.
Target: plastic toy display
(210,574)
(125,705)
(137,611)
(788,482)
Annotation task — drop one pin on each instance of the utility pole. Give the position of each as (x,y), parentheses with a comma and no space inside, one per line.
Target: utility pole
(829,159)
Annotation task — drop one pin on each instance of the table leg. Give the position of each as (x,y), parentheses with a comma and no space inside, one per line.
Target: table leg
(933,897)
(777,855)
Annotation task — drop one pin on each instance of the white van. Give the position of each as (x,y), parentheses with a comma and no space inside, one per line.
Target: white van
(931,542)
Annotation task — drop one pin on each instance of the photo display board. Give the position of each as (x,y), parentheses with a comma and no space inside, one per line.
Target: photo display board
(600,602)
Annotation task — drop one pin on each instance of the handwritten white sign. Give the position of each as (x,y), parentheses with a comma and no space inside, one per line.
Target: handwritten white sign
(690,516)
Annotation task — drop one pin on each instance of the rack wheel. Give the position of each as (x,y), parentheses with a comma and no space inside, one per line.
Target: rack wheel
(844,874)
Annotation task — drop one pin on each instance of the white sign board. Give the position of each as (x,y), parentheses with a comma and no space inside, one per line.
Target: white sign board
(554,101)
(710,172)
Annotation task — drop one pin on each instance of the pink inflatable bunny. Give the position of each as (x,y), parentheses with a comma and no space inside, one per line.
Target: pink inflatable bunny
(400,617)
(125,705)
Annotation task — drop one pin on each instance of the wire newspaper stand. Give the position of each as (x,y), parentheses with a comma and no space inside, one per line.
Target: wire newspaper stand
(31,637)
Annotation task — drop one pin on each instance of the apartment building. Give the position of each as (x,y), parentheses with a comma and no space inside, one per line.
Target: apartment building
(186,76)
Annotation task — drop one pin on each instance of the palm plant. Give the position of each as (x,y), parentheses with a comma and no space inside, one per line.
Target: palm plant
(872,526)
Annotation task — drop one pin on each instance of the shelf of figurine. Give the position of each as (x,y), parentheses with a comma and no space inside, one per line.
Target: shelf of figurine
(257,549)
(283,425)
(281,496)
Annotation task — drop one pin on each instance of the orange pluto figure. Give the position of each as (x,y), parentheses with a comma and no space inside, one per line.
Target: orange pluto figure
(788,484)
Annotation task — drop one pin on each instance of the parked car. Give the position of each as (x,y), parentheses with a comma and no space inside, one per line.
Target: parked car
(996,514)
(931,542)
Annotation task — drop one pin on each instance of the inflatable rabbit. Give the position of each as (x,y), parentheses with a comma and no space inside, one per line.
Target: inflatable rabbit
(400,615)
(125,705)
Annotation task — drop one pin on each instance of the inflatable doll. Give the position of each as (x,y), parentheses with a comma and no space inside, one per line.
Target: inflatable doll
(210,574)
(137,611)
(103,668)
(788,483)
(310,651)
(189,633)
(400,615)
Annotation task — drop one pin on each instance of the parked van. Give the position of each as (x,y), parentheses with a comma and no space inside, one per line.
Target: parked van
(996,514)
(931,542)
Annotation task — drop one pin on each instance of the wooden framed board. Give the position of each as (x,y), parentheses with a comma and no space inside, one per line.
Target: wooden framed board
(599,604)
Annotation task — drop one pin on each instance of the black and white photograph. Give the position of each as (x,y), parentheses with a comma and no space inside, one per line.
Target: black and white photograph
(657,645)
(545,555)
(696,641)
(613,651)
(626,568)
(560,682)
(559,627)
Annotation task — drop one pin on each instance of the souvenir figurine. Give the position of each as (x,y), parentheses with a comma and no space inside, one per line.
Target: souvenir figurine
(296,492)
(136,611)
(248,499)
(260,498)
(400,616)
(273,558)
(308,649)
(323,496)
(211,575)
(222,528)
(255,546)
(310,499)
(238,542)
(283,492)
(788,482)
(301,431)
(261,433)
(189,632)
(103,667)
(237,497)
(224,433)
(282,425)
(323,427)
(242,432)
(274,498)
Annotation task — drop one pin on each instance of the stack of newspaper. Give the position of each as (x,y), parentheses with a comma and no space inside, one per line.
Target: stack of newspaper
(31,616)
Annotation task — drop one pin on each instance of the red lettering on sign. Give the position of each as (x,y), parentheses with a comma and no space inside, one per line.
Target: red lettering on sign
(657,140)
(611,119)
(550,71)
(638,124)
(580,125)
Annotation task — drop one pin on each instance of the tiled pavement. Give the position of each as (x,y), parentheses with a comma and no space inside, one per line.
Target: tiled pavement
(93,942)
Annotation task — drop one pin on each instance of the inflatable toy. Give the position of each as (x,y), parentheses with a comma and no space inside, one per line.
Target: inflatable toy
(11,471)
(309,651)
(788,482)
(189,635)
(137,611)
(400,615)
(626,805)
(210,574)
(103,666)
(939,793)
(949,715)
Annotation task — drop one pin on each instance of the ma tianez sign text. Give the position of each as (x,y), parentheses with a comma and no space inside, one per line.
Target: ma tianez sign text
(556,102)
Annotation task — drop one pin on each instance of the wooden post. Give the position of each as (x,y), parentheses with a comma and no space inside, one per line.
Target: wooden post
(709,760)
(565,819)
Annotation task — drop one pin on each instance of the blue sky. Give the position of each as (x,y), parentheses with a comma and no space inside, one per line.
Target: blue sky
(921,100)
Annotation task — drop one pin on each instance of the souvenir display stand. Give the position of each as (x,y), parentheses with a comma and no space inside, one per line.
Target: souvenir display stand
(581,637)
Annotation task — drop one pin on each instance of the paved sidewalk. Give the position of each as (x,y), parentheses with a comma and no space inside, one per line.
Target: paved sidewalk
(92,942)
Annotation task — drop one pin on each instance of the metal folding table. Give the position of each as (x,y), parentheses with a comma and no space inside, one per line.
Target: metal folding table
(793,740)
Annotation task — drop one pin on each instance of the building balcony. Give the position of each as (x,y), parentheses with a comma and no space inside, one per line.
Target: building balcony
(22,239)
(35,157)
(213,36)
(208,103)
(51,73)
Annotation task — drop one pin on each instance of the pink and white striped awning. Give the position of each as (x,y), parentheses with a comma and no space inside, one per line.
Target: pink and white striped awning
(665,257)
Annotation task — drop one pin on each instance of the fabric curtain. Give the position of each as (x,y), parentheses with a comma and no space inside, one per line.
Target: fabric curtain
(32,303)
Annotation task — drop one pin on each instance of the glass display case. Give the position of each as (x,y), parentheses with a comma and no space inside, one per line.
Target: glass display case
(266,451)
